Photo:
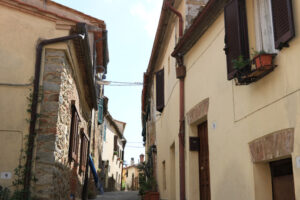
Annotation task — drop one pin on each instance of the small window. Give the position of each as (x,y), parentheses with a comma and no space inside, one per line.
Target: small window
(164,175)
(116,143)
(160,91)
(83,152)
(74,134)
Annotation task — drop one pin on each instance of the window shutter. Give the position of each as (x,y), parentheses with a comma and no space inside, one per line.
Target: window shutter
(283,22)
(104,132)
(115,143)
(83,152)
(160,93)
(74,138)
(236,34)
(100,111)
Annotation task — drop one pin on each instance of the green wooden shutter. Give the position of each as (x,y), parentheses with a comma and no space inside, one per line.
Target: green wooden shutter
(100,111)
(104,132)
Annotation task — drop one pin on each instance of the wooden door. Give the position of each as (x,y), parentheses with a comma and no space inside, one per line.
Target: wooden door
(282,180)
(204,180)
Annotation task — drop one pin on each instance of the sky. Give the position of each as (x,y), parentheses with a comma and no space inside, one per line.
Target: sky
(131,26)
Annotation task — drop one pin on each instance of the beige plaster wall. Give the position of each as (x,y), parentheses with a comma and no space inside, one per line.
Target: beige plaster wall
(21,32)
(108,154)
(236,116)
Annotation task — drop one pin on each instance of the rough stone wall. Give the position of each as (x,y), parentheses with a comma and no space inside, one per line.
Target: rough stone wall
(57,177)
(193,7)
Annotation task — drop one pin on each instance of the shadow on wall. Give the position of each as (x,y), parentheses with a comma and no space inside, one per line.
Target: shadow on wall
(57,181)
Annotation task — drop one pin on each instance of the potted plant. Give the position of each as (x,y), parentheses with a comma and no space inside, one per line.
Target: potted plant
(240,63)
(263,59)
(147,182)
(115,153)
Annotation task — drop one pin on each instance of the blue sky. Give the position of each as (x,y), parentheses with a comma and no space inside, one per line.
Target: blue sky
(131,26)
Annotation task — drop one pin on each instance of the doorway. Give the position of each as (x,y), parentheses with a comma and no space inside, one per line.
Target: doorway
(204,179)
(282,179)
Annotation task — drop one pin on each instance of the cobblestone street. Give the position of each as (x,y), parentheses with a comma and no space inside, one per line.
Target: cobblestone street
(128,195)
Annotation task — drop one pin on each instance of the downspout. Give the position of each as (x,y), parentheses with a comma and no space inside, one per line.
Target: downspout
(34,105)
(180,74)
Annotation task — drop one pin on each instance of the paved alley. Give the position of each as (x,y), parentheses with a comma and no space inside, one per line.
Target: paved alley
(128,195)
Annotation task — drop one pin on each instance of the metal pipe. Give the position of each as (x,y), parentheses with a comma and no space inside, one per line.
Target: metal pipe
(181,134)
(167,4)
(34,105)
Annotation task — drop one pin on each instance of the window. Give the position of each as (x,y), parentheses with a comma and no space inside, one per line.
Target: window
(100,111)
(236,34)
(74,135)
(274,24)
(83,152)
(160,99)
(164,175)
(104,132)
(116,143)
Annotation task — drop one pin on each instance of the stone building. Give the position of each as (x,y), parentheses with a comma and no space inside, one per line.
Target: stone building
(50,57)
(113,153)
(224,123)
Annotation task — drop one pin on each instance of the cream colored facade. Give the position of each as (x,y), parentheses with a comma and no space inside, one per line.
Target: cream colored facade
(236,115)
(131,177)
(115,161)
(25,24)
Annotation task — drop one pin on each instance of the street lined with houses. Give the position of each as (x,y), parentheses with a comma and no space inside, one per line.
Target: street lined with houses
(217,114)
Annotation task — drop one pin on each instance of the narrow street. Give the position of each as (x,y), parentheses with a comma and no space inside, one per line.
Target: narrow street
(128,195)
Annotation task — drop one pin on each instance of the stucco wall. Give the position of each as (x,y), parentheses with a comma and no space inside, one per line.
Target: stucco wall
(108,154)
(236,116)
(17,56)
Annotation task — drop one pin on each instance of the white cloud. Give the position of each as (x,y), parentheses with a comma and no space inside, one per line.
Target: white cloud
(148,12)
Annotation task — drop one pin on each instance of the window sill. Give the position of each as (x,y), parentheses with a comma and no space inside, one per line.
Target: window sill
(243,77)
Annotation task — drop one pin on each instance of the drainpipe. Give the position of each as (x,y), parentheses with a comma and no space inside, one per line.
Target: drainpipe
(180,74)
(34,105)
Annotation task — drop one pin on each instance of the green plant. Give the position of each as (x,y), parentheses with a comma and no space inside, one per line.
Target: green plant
(147,181)
(255,53)
(21,170)
(240,62)
(116,153)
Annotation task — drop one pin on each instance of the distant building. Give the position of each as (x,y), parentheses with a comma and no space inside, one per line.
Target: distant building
(113,153)
(131,174)
(50,56)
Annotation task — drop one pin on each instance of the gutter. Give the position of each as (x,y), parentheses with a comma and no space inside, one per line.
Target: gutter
(34,105)
(180,74)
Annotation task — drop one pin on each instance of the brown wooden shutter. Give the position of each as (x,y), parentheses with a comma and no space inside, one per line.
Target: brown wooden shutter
(115,143)
(83,152)
(73,135)
(160,91)
(236,34)
(283,22)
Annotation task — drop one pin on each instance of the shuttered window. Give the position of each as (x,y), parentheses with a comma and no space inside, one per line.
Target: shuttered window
(100,111)
(115,143)
(283,23)
(104,132)
(160,91)
(83,152)
(236,34)
(73,135)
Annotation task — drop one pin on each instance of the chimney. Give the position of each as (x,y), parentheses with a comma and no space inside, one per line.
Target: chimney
(142,158)
(132,161)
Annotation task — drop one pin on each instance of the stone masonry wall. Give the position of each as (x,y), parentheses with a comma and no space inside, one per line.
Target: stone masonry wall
(193,7)
(57,177)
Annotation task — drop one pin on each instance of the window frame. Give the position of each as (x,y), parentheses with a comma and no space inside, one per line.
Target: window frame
(74,134)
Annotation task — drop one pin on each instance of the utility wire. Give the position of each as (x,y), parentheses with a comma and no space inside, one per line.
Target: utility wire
(117,83)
